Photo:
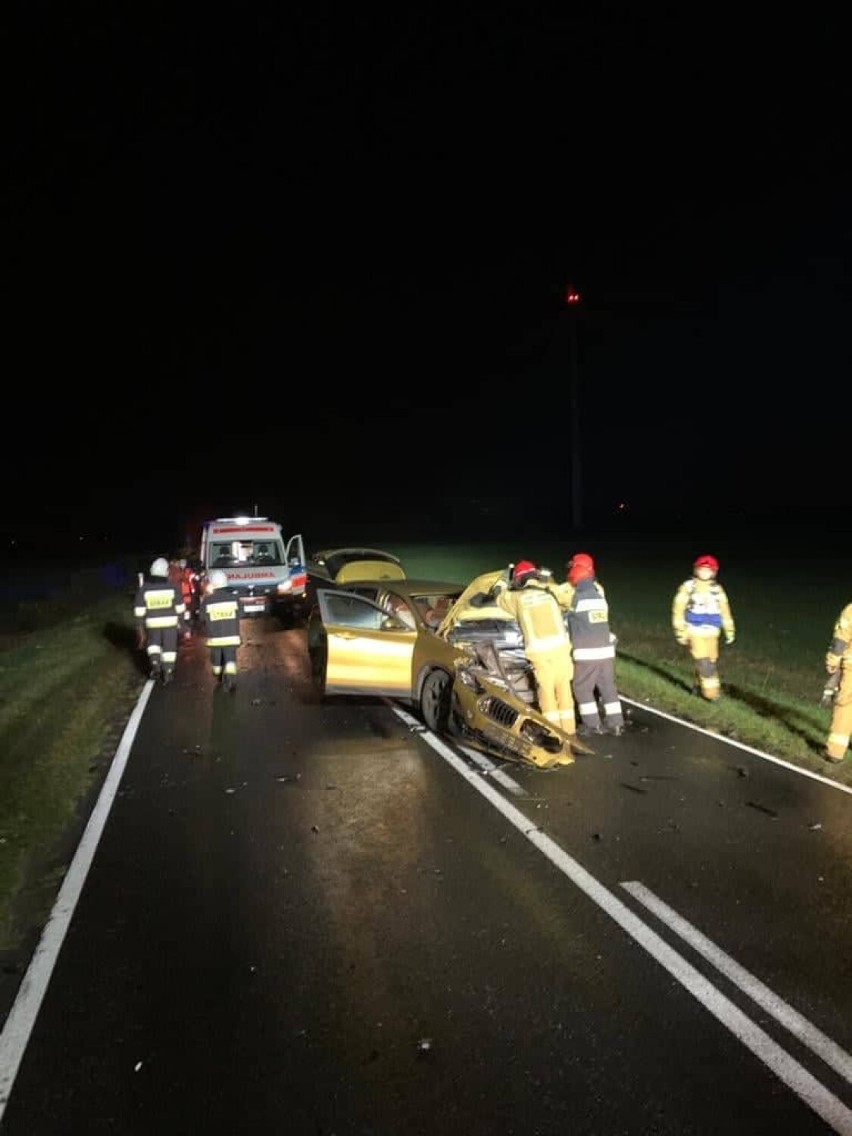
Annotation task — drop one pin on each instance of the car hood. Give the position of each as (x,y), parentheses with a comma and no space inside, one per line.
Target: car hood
(462,609)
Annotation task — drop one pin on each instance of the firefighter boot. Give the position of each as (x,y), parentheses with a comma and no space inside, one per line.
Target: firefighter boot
(588,730)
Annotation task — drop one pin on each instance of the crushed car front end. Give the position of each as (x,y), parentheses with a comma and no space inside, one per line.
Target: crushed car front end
(491,715)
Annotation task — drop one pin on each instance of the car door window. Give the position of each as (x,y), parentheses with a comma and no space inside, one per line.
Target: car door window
(346,610)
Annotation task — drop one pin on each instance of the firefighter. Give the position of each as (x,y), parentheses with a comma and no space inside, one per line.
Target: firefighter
(593,649)
(219,614)
(526,596)
(839,658)
(159,610)
(701,612)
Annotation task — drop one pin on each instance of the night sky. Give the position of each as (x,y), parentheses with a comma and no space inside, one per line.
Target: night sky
(313,260)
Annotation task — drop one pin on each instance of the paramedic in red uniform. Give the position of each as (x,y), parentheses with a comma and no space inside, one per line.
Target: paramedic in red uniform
(187,590)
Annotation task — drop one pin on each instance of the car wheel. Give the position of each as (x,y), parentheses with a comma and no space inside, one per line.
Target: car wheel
(455,723)
(319,660)
(435,701)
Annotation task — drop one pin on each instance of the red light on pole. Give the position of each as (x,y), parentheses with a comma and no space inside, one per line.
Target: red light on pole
(572,302)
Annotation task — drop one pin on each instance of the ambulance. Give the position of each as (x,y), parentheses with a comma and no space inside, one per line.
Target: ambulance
(265,570)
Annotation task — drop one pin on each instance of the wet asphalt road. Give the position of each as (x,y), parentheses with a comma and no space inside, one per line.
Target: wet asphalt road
(315,919)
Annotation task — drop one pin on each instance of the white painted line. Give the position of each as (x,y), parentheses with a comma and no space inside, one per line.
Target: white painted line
(795,1076)
(739,745)
(494,771)
(482,760)
(800,1027)
(22,1016)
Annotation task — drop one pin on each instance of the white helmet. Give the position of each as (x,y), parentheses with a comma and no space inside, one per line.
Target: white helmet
(160,567)
(218,579)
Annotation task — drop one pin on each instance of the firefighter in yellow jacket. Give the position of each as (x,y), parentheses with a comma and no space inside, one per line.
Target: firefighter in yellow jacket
(529,599)
(839,658)
(219,615)
(701,613)
(158,610)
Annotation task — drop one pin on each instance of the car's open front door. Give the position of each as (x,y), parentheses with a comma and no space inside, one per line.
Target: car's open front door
(368,650)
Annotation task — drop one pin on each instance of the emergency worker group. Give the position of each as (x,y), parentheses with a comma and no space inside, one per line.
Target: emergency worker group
(576,666)
(167,600)
(568,642)
(565,627)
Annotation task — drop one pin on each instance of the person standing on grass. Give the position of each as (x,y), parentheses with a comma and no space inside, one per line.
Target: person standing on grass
(219,615)
(839,658)
(700,613)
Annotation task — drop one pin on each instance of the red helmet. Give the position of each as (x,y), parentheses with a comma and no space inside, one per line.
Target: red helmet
(580,567)
(706,562)
(522,570)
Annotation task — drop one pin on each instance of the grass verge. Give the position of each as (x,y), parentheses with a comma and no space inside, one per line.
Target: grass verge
(66,692)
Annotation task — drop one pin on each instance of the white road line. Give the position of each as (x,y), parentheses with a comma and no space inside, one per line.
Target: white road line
(794,1075)
(494,771)
(482,760)
(740,745)
(800,1027)
(22,1016)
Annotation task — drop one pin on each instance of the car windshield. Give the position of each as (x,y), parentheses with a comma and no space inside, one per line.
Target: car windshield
(433,608)
(266,552)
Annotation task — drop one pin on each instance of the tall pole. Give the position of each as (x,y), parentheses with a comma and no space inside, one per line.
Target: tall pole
(572,301)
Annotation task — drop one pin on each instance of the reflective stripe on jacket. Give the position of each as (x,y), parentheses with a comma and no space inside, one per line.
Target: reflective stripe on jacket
(220,614)
(538,615)
(588,622)
(158,604)
(840,647)
(701,605)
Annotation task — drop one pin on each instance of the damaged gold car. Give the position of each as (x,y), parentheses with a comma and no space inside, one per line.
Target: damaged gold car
(459,664)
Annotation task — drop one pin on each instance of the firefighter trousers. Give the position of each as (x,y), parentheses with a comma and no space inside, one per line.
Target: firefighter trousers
(591,675)
(554,671)
(162,648)
(223,660)
(704,649)
(841,717)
